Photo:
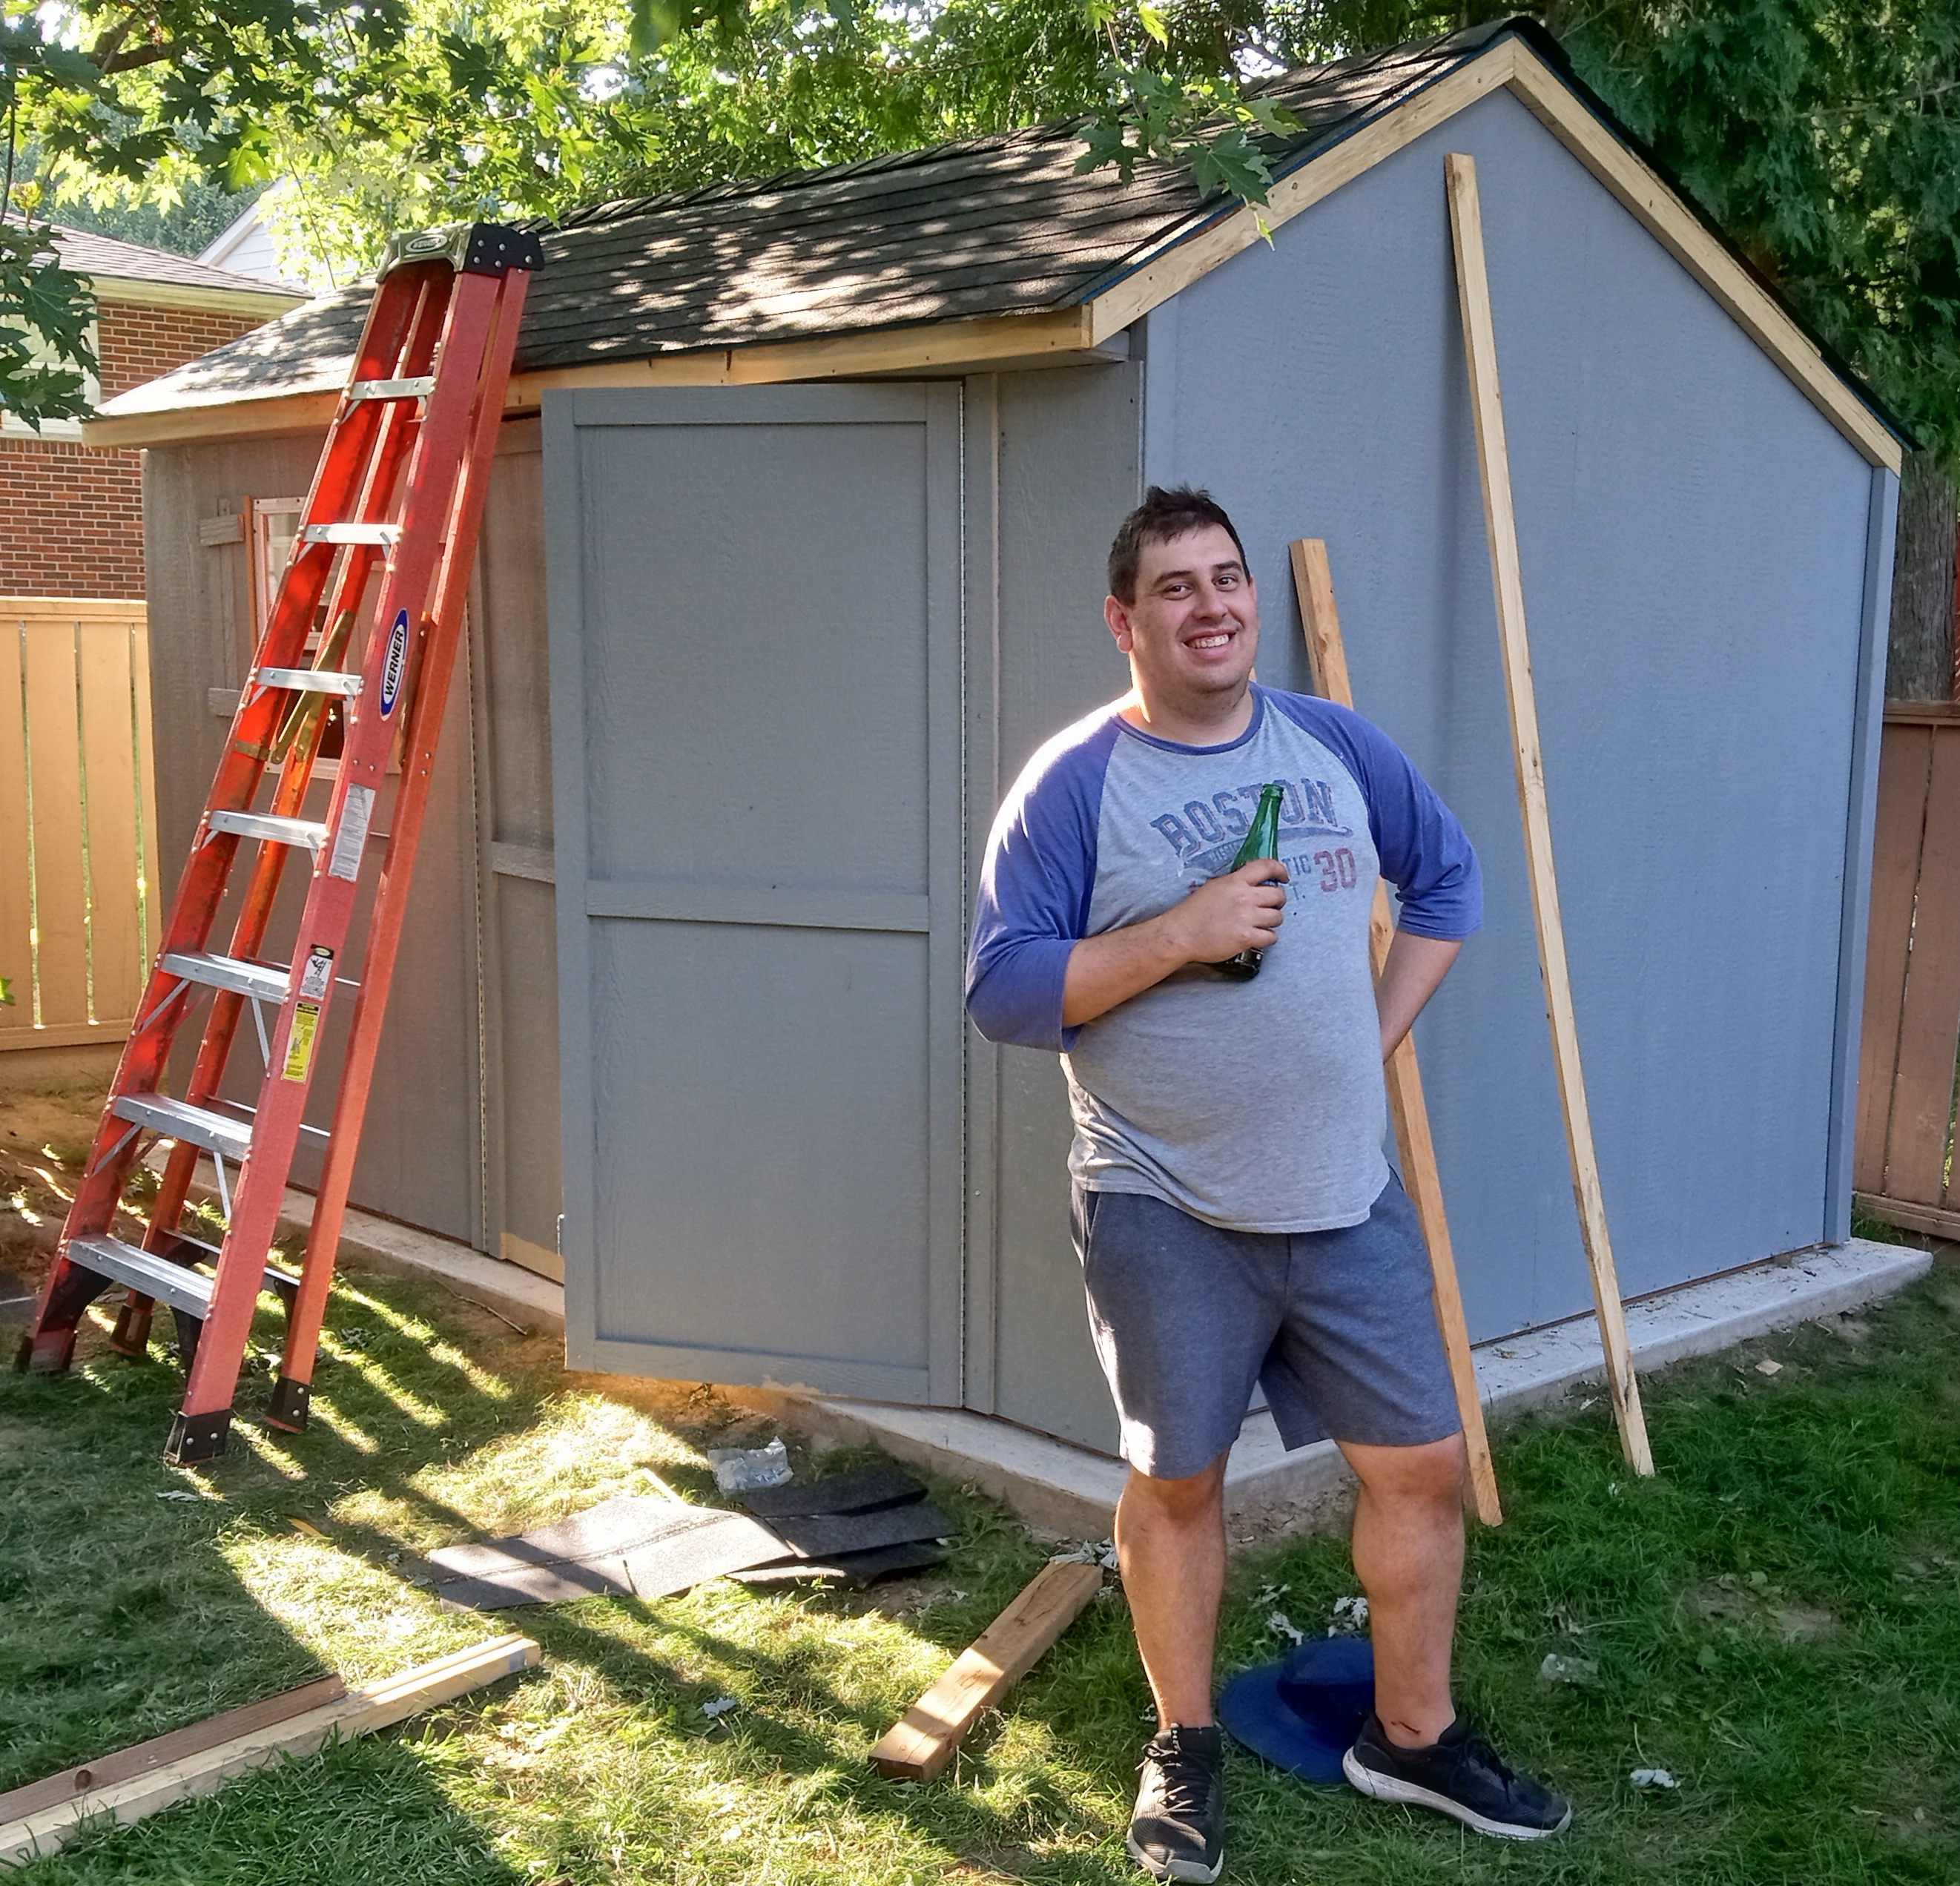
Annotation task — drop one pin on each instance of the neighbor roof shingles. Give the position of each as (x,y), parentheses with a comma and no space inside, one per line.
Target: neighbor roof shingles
(107,258)
(995,225)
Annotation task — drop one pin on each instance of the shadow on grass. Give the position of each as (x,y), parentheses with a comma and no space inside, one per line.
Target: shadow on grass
(1775,1619)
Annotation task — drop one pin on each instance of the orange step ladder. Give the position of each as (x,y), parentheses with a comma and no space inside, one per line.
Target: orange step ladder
(393,516)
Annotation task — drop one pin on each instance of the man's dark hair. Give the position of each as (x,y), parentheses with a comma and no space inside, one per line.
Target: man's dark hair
(1161,516)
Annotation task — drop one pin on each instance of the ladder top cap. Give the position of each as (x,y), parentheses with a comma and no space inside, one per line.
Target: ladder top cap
(473,248)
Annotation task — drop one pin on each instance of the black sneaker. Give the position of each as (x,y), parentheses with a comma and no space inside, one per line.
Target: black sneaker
(1178,1831)
(1458,1774)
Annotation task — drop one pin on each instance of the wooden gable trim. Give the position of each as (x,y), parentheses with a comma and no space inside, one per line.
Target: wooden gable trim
(1180,265)
(262,304)
(1655,207)
(985,344)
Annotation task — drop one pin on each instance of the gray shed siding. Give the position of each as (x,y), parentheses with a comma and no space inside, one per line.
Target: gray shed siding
(1053,464)
(424,1158)
(1695,543)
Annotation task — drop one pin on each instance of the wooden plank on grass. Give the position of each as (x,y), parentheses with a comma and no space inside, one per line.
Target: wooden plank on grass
(143,1757)
(1480,347)
(919,1746)
(359,1712)
(1327,655)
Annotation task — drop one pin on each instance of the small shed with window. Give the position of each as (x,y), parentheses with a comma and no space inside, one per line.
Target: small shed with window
(794,553)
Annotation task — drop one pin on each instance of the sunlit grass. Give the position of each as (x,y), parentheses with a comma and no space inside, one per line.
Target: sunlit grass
(1775,1618)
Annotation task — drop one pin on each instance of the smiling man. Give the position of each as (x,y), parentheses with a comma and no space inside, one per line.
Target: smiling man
(1235,1218)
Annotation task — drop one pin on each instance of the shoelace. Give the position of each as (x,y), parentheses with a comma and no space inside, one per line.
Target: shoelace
(1183,1780)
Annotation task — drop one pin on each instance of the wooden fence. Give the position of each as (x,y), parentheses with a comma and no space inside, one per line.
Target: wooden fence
(79,903)
(1903,1170)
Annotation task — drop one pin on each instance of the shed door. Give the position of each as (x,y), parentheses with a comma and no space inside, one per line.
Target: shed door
(756,658)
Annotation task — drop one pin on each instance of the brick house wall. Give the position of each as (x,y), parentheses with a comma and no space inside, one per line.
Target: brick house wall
(72,516)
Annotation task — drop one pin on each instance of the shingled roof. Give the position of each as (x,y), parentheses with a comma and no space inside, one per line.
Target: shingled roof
(111,264)
(989,226)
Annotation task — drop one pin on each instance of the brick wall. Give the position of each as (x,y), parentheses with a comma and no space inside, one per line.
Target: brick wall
(72,518)
(137,344)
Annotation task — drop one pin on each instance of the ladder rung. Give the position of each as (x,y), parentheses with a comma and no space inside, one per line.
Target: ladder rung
(263,981)
(179,1120)
(176,1284)
(384,534)
(393,388)
(270,826)
(308,680)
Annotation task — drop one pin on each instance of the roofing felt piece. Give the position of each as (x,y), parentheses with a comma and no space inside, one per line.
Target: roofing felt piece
(989,226)
(633,1546)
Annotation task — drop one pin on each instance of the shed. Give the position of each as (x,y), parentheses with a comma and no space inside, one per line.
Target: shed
(812,479)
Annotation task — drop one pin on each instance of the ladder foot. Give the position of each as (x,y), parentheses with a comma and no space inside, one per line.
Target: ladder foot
(131,1335)
(290,1404)
(197,1437)
(47,1354)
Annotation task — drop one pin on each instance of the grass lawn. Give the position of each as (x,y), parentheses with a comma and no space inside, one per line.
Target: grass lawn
(1775,1619)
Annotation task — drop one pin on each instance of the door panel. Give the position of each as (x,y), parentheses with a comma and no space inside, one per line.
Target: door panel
(756,654)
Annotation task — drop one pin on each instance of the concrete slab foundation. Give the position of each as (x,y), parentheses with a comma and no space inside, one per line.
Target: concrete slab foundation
(1069,1491)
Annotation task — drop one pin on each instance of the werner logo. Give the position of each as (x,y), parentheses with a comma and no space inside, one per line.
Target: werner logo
(394,663)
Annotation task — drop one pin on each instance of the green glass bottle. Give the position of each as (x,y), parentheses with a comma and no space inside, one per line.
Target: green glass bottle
(1262,840)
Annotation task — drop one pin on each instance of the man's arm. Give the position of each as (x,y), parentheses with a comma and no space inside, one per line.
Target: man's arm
(1413,973)
(1242,910)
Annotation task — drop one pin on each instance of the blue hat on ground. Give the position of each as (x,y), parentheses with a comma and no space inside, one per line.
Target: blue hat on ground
(1302,1713)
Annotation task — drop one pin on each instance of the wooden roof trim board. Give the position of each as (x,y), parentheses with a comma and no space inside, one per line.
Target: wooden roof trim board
(1057,337)
(1185,258)
(261,304)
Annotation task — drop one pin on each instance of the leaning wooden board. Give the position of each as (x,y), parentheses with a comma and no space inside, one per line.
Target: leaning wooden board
(1327,657)
(1487,413)
(131,1796)
(917,1747)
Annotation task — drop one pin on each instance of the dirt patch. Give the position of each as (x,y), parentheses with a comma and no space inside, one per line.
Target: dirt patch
(1741,1602)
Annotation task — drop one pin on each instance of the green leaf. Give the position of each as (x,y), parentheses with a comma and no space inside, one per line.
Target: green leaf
(1151,19)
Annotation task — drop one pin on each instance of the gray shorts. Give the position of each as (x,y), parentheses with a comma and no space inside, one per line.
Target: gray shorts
(1338,1327)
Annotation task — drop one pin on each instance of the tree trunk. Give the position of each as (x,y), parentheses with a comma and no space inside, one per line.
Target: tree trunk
(1919,663)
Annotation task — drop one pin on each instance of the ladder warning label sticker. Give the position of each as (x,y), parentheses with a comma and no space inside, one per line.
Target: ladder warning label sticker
(393,663)
(299,1044)
(351,839)
(319,970)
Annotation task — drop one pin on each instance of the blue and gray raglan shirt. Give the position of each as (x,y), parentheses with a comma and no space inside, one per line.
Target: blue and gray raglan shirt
(1259,1105)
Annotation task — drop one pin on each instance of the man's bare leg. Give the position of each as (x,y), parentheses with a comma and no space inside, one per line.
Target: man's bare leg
(1408,1556)
(1170,1538)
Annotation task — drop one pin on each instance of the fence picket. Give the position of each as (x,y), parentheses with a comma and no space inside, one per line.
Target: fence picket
(78,871)
(1904,1153)
(109,763)
(54,759)
(17,958)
